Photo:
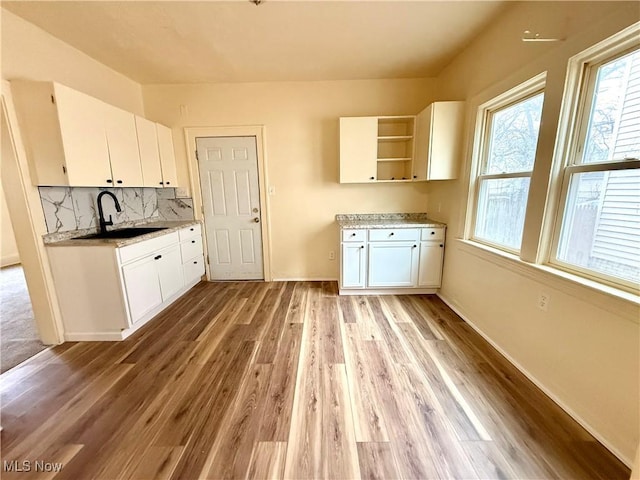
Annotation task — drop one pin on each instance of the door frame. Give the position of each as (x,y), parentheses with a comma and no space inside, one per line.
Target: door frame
(257,131)
(23,201)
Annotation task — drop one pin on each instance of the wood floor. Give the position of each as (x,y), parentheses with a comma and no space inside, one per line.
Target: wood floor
(273,380)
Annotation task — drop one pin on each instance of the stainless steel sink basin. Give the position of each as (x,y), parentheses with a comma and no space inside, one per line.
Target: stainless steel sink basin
(123,233)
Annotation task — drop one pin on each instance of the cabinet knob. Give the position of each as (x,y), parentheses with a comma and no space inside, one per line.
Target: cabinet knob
(193,241)
(109,180)
(441,245)
(415,176)
(361,246)
(433,233)
(157,257)
(353,234)
(119,181)
(372,178)
(391,234)
(195,263)
(161,183)
(191,229)
(168,183)
(414,246)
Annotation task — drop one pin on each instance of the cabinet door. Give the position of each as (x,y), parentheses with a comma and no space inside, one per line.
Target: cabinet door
(149,153)
(445,147)
(193,269)
(353,265)
(430,272)
(393,264)
(142,287)
(358,149)
(122,141)
(167,156)
(84,138)
(169,265)
(423,137)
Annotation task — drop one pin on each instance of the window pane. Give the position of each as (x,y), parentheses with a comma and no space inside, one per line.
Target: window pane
(514,136)
(601,224)
(501,208)
(614,123)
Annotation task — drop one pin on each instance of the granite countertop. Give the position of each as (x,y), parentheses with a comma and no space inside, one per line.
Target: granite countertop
(67,239)
(386,220)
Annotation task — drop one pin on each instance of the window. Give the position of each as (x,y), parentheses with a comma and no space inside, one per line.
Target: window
(598,226)
(509,126)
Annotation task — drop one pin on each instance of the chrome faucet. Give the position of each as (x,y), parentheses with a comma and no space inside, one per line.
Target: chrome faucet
(103,222)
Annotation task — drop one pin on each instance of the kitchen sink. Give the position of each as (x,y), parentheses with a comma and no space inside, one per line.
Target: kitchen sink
(122,233)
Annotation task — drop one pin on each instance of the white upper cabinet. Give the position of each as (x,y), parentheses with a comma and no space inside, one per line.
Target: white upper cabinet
(122,141)
(74,139)
(438,141)
(358,149)
(167,156)
(149,153)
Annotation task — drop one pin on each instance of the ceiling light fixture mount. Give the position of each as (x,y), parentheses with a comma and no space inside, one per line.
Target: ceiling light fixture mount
(528,36)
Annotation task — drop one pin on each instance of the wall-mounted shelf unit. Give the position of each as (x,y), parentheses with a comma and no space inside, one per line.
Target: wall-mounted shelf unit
(395,148)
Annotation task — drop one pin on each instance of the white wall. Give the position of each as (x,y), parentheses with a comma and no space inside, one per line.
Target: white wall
(8,249)
(585,350)
(301,123)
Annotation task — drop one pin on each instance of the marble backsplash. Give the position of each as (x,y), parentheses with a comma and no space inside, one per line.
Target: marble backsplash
(75,208)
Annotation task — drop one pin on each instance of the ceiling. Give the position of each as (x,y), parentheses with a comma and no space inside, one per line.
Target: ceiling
(237,41)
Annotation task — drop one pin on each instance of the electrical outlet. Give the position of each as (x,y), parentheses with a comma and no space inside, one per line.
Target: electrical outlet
(332,255)
(543,301)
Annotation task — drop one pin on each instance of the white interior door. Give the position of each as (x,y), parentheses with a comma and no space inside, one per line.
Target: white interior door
(231,200)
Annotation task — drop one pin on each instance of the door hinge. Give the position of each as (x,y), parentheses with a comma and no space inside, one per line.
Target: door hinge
(64,169)
(197,158)
(53,99)
(207,259)
(202,209)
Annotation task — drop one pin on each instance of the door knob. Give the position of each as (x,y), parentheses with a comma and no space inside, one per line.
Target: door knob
(257,220)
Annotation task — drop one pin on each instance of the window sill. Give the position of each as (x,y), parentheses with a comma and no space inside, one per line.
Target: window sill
(623,303)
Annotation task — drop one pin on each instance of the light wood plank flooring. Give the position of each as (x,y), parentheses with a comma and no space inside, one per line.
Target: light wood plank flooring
(289,380)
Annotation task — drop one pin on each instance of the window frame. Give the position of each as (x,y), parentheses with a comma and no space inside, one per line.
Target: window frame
(517,94)
(578,99)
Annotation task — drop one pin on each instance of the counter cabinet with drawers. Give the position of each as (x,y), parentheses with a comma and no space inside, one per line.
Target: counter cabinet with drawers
(106,291)
(391,260)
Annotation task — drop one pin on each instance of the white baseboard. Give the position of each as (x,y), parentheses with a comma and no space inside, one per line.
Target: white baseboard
(93,336)
(387,291)
(627,461)
(301,279)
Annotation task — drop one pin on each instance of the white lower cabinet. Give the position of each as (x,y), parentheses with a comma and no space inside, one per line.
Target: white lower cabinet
(392,264)
(403,260)
(142,287)
(430,270)
(353,264)
(106,293)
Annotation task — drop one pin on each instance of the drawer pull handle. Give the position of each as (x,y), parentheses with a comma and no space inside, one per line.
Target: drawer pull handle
(353,234)
(191,229)
(157,257)
(193,241)
(391,234)
(195,263)
(118,181)
(161,183)
(109,180)
(433,233)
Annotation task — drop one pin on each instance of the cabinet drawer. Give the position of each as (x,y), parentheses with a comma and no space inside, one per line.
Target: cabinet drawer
(354,235)
(146,247)
(394,234)
(432,234)
(191,248)
(193,269)
(190,231)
